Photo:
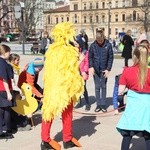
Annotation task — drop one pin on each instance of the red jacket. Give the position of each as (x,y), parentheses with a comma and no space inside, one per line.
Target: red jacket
(30,79)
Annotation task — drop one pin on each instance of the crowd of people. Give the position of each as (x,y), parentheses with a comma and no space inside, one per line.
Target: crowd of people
(96,60)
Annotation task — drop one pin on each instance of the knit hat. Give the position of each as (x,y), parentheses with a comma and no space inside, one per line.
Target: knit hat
(38,63)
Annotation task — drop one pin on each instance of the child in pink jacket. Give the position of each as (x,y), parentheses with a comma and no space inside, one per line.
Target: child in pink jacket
(84,66)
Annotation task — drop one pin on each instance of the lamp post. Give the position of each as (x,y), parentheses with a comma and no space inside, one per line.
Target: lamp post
(81,14)
(109,7)
(20,15)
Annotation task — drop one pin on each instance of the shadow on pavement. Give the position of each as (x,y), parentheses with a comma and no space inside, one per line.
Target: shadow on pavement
(37,119)
(92,100)
(84,126)
(82,102)
(109,102)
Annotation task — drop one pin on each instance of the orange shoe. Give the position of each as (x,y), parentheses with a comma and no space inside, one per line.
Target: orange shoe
(55,145)
(75,141)
(52,145)
(72,143)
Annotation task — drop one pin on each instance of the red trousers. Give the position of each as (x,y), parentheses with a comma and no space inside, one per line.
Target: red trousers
(67,126)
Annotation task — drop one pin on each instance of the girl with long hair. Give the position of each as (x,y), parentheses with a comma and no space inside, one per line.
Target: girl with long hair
(136,118)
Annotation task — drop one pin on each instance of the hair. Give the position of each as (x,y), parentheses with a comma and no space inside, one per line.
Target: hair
(140,57)
(45,33)
(100,35)
(4,49)
(128,32)
(145,43)
(99,29)
(13,57)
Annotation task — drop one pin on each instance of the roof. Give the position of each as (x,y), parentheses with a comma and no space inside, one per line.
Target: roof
(60,9)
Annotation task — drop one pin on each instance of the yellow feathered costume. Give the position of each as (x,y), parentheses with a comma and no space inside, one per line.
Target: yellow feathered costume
(62,80)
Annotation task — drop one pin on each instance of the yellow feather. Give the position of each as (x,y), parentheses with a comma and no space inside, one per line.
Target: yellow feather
(62,80)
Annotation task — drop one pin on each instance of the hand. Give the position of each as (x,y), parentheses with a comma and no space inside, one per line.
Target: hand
(84,75)
(91,71)
(105,73)
(81,57)
(9,96)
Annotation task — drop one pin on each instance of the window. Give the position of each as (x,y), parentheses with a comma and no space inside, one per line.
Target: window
(134,15)
(116,31)
(116,4)
(56,20)
(134,2)
(75,18)
(97,19)
(75,6)
(96,5)
(67,18)
(138,16)
(90,5)
(116,18)
(49,19)
(123,17)
(103,4)
(62,19)
(91,19)
(103,19)
(84,19)
(123,3)
(84,6)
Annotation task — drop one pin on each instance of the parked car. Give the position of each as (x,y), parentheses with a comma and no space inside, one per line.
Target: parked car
(2,39)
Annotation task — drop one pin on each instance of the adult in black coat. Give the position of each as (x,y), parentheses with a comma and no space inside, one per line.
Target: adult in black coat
(128,43)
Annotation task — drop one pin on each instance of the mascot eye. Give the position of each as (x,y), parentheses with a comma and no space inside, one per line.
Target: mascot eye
(27,88)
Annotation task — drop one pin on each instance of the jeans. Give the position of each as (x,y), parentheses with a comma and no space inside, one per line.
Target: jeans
(100,89)
(86,97)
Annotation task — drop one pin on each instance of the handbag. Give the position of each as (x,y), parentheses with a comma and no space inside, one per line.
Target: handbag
(121,47)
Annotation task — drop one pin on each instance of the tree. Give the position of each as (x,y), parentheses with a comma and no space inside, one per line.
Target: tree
(145,7)
(30,9)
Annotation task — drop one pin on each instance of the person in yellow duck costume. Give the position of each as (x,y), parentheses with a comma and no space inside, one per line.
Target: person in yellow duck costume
(63,85)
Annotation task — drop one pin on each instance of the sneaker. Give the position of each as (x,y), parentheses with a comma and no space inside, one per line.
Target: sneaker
(98,108)
(6,136)
(104,110)
(87,108)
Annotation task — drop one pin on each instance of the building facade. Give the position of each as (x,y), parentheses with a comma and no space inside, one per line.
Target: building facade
(115,16)
(7,18)
(43,5)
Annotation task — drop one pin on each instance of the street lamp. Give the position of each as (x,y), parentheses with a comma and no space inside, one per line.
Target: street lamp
(81,14)
(19,14)
(109,7)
